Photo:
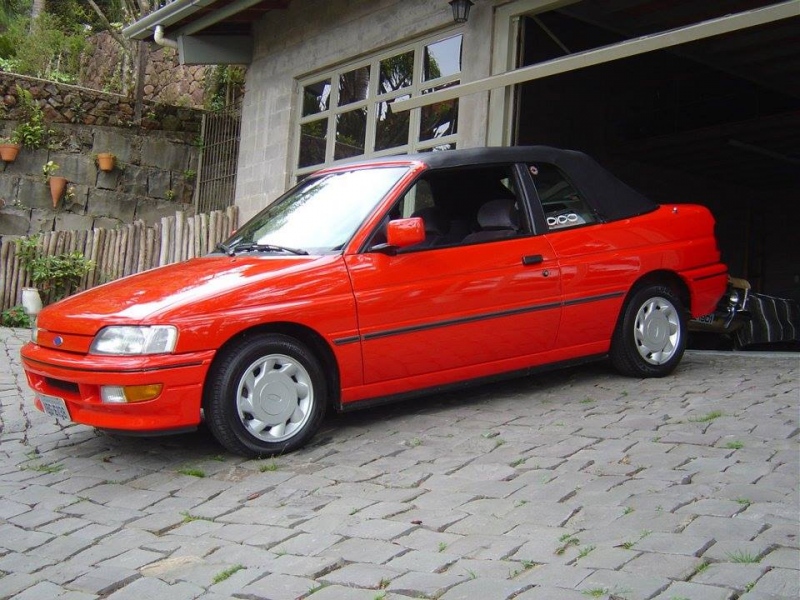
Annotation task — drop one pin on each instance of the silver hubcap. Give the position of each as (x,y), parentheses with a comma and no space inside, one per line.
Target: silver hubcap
(657,330)
(275,398)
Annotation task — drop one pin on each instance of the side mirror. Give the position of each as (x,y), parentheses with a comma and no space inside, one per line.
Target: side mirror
(402,233)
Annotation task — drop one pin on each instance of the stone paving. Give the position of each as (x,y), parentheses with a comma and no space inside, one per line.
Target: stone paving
(571,485)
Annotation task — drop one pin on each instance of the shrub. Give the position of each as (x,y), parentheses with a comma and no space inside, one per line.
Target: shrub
(15,317)
(56,276)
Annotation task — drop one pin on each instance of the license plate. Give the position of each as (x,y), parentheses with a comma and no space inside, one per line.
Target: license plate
(708,319)
(55,407)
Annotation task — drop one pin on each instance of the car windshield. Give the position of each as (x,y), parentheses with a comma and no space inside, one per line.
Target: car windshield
(320,215)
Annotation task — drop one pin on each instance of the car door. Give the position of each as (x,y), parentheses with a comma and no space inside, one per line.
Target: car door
(595,270)
(463,305)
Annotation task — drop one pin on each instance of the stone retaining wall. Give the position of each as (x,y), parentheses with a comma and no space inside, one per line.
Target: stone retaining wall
(64,103)
(104,65)
(156,160)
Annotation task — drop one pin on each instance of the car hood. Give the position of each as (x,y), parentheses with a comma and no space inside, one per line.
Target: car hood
(207,285)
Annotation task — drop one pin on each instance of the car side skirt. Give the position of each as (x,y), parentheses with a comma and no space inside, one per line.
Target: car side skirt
(468,383)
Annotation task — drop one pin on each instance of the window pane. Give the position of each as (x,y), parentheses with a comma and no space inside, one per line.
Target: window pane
(442,58)
(351,129)
(353,86)
(562,204)
(397,72)
(440,119)
(316,96)
(312,143)
(392,128)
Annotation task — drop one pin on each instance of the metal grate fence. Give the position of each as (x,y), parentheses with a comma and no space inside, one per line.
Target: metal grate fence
(216,178)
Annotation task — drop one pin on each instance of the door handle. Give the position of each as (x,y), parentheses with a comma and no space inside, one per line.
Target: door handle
(532,259)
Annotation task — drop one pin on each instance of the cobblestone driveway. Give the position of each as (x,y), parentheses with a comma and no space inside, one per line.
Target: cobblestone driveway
(572,485)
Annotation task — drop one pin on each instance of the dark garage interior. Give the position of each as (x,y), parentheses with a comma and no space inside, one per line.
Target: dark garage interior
(713,122)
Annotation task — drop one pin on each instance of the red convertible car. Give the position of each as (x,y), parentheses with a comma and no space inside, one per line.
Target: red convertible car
(377,280)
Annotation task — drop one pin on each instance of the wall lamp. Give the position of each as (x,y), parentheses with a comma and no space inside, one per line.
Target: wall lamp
(460,10)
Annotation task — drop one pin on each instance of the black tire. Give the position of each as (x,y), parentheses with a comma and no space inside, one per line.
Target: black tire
(650,337)
(265,395)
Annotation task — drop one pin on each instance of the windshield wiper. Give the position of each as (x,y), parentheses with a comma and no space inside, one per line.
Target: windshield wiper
(223,248)
(252,247)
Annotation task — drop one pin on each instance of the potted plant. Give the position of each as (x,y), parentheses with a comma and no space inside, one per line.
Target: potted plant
(57,183)
(9,148)
(105,160)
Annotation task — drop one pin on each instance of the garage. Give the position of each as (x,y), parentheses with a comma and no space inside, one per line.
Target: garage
(688,101)
(715,121)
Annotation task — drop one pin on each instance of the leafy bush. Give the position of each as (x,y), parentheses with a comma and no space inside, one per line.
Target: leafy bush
(56,276)
(46,46)
(15,317)
(31,131)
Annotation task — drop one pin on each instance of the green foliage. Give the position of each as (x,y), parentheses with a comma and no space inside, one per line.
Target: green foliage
(741,556)
(190,472)
(223,575)
(48,47)
(15,317)
(79,11)
(56,276)
(224,86)
(714,414)
(31,131)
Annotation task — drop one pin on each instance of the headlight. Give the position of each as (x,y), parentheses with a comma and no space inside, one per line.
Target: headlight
(158,339)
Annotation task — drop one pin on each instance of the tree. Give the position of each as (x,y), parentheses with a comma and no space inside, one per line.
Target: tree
(37,8)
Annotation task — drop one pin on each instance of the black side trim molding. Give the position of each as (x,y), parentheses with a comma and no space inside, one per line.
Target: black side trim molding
(472,319)
(594,298)
(460,321)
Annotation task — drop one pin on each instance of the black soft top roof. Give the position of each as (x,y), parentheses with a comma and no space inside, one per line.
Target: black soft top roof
(609,196)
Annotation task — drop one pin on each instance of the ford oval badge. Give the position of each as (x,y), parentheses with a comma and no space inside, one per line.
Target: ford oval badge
(58,340)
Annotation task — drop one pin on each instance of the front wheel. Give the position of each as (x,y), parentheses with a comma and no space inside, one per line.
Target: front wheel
(265,395)
(650,337)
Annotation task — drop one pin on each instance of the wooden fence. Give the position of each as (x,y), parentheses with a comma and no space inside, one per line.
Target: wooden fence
(124,251)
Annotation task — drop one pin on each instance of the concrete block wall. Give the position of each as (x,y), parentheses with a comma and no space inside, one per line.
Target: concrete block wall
(313,35)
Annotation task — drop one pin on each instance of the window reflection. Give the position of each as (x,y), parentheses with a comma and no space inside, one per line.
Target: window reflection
(316,97)
(351,132)
(397,72)
(313,137)
(322,213)
(391,128)
(442,58)
(355,118)
(440,119)
(353,86)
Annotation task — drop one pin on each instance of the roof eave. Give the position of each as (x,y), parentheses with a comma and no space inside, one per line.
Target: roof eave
(168,15)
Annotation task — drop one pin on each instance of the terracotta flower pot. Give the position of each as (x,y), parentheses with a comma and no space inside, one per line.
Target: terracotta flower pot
(105,161)
(57,186)
(8,152)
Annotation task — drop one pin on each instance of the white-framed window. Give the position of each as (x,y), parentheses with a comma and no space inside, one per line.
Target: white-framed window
(346,112)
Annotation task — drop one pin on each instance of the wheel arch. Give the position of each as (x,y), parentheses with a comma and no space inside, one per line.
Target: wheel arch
(663,277)
(305,335)
(633,358)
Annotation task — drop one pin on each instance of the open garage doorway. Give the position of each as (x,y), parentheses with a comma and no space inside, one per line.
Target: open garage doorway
(713,122)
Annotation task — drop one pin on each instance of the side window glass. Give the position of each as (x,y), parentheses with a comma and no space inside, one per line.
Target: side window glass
(462,206)
(563,205)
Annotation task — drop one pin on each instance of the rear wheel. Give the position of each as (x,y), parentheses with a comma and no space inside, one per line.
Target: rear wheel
(650,337)
(266,395)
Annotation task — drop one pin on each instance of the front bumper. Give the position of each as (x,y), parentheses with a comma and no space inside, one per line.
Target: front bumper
(76,379)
